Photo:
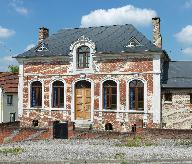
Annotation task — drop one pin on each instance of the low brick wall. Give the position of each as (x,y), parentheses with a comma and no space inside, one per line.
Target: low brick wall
(15,124)
(167,133)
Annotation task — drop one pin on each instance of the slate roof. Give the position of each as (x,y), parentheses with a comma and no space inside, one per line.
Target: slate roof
(108,39)
(9,82)
(177,74)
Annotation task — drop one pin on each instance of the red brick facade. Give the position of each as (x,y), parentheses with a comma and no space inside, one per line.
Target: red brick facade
(122,70)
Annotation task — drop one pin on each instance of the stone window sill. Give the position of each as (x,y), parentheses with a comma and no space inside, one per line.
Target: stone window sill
(135,112)
(168,102)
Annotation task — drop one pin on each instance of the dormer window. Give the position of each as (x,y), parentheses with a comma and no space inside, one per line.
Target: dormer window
(42,47)
(83,57)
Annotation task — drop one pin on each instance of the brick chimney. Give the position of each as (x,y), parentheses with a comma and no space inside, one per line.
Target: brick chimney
(157,39)
(43,34)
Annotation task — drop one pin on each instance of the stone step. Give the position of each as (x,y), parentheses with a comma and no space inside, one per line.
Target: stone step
(83,126)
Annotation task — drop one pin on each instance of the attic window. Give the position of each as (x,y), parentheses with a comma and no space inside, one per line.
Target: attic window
(133,42)
(42,47)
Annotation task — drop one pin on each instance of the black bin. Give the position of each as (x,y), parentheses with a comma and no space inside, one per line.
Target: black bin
(60,130)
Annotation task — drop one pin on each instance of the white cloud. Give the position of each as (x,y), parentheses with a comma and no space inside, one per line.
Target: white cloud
(187,51)
(8,58)
(185,35)
(116,16)
(5,32)
(29,47)
(6,61)
(188,4)
(17,5)
(22,10)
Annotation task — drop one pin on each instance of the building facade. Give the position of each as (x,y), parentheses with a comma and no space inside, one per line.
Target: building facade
(108,76)
(8,97)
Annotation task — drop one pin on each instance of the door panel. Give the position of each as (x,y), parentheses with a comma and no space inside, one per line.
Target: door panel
(83,103)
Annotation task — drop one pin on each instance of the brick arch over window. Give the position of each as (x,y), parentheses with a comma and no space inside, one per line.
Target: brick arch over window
(109,94)
(58,94)
(36,94)
(136,95)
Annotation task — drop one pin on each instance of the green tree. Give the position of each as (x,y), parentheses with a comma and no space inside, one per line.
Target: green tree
(13,68)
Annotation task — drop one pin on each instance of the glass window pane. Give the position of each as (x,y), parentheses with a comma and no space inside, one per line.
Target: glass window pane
(140,105)
(114,99)
(114,90)
(105,98)
(132,98)
(140,94)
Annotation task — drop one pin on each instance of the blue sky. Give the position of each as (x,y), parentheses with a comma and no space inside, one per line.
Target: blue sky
(20,20)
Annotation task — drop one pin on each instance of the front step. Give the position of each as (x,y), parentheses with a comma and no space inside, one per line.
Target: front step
(84,126)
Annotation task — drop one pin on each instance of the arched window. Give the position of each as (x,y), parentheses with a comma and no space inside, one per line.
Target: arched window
(110,94)
(58,94)
(36,94)
(83,57)
(136,95)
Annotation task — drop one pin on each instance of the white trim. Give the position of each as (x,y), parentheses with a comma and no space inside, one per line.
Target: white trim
(101,94)
(145,96)
(73,100)
(156,101)
(50,93)
(82,41)
(1,105)
(95,73)
(20,91)
(29,93)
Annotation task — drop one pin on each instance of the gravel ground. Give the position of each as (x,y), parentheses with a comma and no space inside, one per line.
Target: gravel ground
(99,150)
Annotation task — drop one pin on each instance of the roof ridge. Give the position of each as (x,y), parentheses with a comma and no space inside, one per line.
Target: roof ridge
(73,28)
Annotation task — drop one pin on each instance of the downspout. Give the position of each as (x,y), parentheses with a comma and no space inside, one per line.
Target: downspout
(161,124)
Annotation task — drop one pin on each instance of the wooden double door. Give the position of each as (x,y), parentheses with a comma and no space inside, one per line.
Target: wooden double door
(83,100)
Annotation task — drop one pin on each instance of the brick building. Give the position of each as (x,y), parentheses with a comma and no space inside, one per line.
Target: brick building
(108,76)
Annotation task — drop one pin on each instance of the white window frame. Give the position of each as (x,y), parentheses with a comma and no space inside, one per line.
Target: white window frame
(29,95)
(101,96)
(82,41)
(51,91)
(145,96)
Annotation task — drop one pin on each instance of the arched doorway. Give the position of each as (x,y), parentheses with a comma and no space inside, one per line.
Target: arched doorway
(83,100)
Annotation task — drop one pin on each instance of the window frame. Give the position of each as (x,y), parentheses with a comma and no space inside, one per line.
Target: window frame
(59,88)
(11,100)
(85,58)
(38,92)
(135,88)
(108,98)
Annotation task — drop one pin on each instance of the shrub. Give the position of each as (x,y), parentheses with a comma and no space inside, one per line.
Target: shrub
(138,141)
(15,150)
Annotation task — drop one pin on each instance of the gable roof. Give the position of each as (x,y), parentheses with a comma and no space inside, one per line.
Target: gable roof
(108,39)
(177,74)
(9,82)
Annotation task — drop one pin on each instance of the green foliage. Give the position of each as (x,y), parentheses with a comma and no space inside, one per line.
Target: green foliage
(187,143)
(14,151)
(13,68)
(124,162)
(138,141)
(119,155)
